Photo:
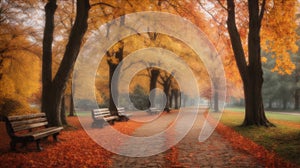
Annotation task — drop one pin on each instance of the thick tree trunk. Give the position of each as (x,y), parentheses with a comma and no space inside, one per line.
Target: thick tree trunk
(52,107)
(50,9)
(53,91)
(63,111)
(112,71)
(71,113)
(251,71)
(112,106)
(154,73)
(254,110)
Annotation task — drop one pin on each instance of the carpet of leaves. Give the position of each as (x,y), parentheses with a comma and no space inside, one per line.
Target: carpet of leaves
(75,149)
(239,142)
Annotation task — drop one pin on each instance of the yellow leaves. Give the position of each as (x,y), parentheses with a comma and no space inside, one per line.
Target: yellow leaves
(284,66)
(279,34)
(7,86)
(264,59)
(21,75)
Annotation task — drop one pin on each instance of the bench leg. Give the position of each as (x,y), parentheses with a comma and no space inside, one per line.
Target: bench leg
(24,144)
(55,137)
(13,145)
(38,146)
(111,122)
(124,118)
(98,124)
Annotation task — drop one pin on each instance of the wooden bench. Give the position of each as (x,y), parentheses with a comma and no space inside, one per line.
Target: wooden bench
(123,116)
(29,128)
(154,110)
(101,115)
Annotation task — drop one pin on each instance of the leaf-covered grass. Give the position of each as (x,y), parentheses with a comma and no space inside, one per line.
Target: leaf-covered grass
(284,139)
(75,149)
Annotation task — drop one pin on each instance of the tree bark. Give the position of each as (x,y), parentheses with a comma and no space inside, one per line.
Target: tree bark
(63,111)
(166,88)
(50,9)
(216,101)
(251,72)
(53,90)
(154,73)
(171,98)
(270,104)
(297,99)
(112,106)
(112,71)
(284,104)
(176,97)
(216,97)
(71,113)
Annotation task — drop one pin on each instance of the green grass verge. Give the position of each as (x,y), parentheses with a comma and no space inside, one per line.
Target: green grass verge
(270,114)
(284,139)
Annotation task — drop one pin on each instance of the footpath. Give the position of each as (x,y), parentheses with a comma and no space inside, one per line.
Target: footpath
(189,152)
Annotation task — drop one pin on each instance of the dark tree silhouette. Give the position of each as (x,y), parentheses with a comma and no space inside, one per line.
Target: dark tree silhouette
(53,88)
(251,72)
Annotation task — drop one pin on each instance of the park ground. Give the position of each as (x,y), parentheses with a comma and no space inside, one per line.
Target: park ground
(229,146)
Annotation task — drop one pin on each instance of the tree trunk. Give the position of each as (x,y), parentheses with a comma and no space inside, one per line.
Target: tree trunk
(176,98)
(171,98)
(179,99)
(154,73)
(112,68)
(270,104)
(216,98)
(53,91)
(63,111)
(112,106)
(216,101)
(254,110)
(71,113)
(49,104)
(284,104)
(50,9)
(166,89)
(297,99)
(251,71)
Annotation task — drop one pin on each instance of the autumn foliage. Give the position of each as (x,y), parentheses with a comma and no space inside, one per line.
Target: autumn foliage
(75,149)
(239,142)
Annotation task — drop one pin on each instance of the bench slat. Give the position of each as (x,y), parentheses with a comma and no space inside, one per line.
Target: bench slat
(24,117)
(16,124)
(101,113)
(110,118)
(29,126)
(26,122)
(100,110)
(42,133)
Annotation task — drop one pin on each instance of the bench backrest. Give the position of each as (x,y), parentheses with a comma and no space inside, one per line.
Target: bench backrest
(121,109)
(154,109)
(25,122)
(100,113)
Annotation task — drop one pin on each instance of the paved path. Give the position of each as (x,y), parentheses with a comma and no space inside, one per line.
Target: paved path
(214,152)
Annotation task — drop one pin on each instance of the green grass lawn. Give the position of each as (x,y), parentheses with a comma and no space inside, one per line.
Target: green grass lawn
(283,139)
(270,114)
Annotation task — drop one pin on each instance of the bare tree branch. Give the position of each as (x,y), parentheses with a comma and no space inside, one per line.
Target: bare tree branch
(220,3)
(262,10)
(208,12)
(103,4)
